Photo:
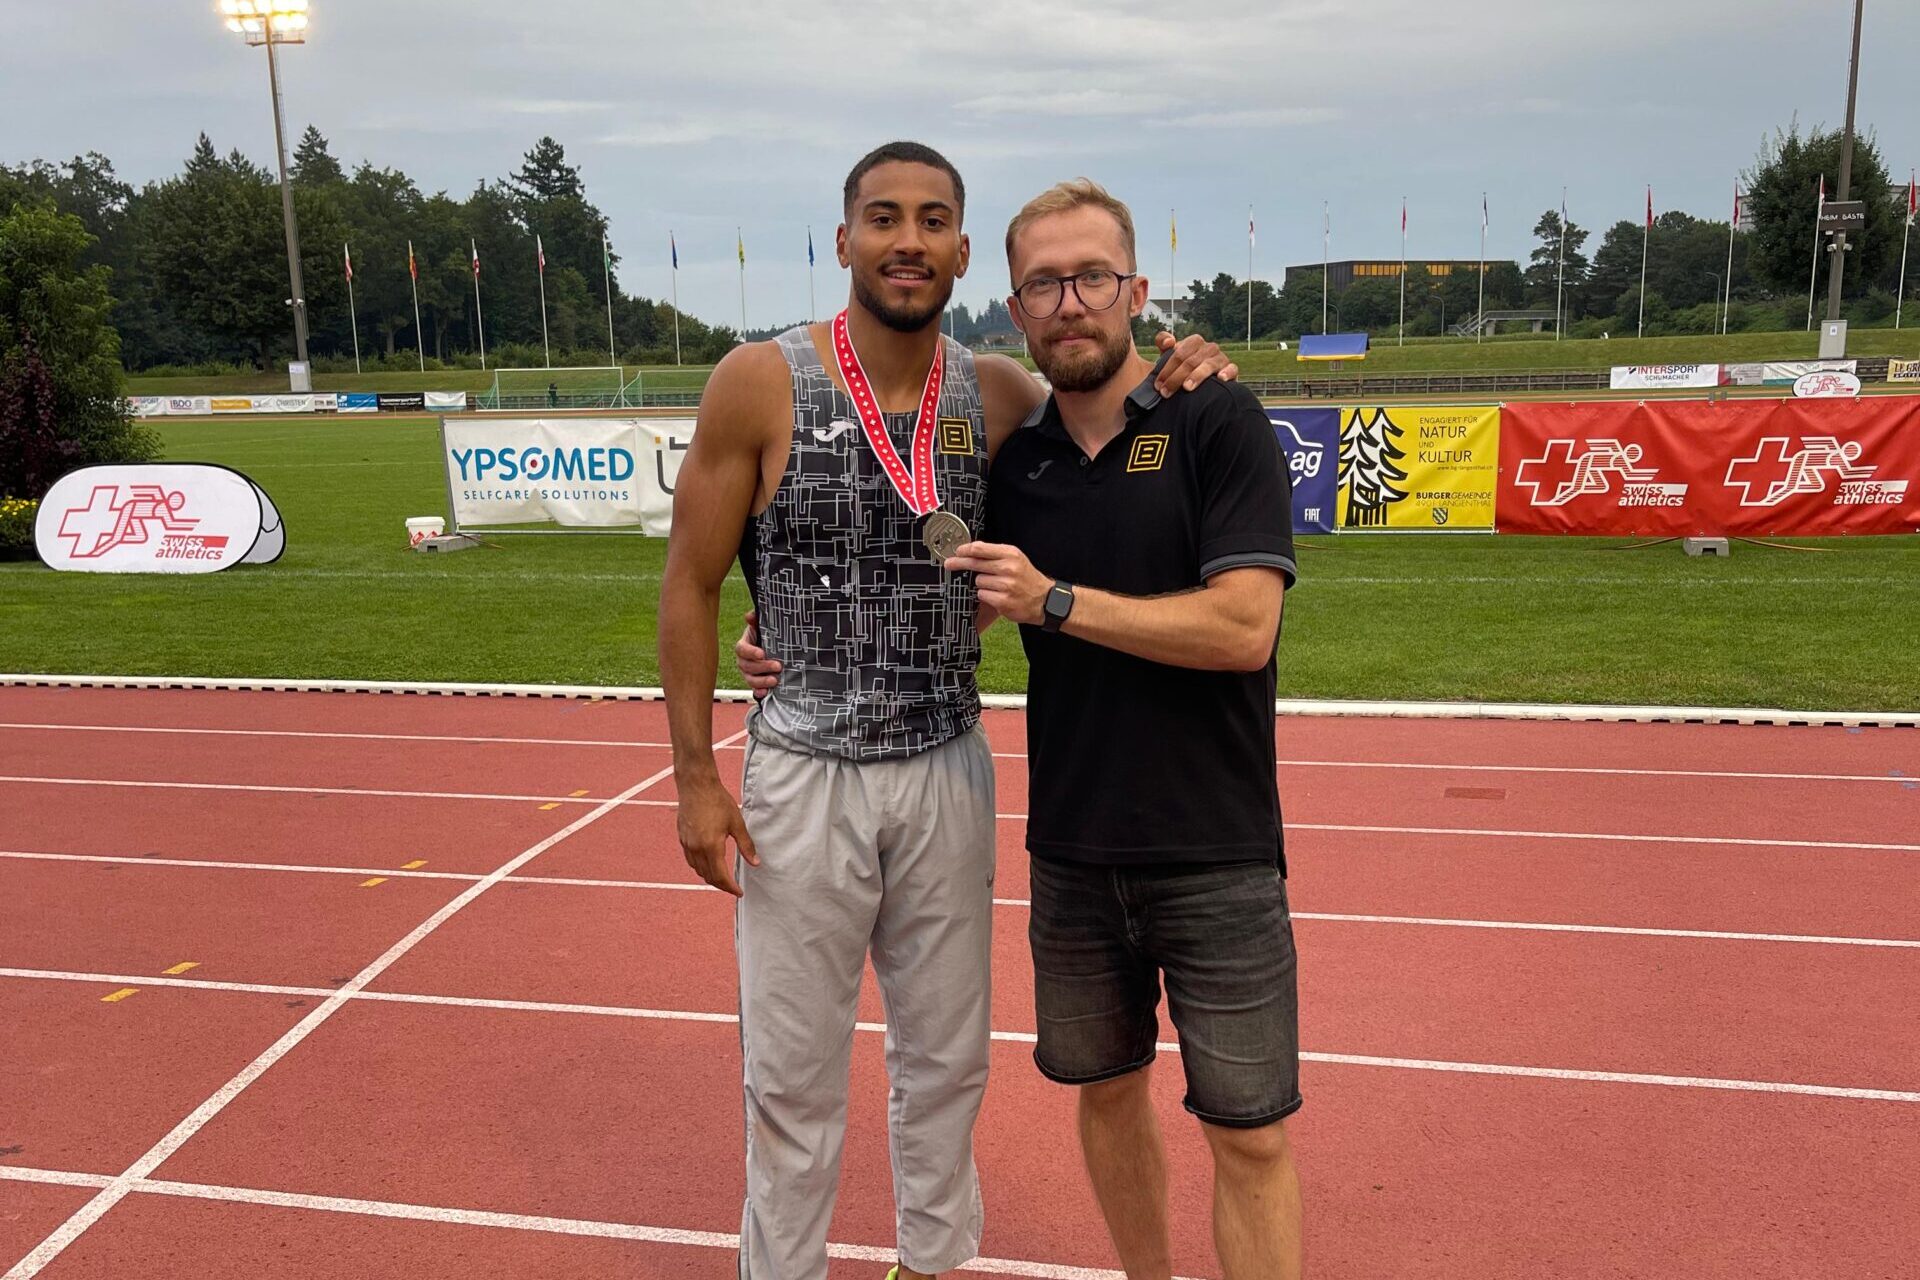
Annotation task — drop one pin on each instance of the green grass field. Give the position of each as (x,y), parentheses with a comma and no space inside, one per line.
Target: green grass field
(1510,354)
(1478,618)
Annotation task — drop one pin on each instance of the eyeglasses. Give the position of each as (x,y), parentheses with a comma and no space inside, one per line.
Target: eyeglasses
(1097,290)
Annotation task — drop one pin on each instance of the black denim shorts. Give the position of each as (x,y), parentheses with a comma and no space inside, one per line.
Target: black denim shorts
(1220,933)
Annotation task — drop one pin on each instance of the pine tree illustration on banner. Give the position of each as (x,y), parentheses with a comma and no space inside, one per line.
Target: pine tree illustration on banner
(1367,471)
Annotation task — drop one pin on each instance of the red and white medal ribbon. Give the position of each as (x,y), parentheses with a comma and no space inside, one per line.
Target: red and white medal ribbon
(919,488)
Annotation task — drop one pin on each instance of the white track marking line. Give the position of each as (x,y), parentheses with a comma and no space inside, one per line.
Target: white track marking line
(520,1221)
(375,792)
(1592,770)
(665,886)
(344,995)
(315,733)
(1631,838)
(91,1212)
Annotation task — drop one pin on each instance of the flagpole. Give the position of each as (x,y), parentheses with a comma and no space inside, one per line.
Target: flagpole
(479,315)
(1726,304)
(1249,277)
(1813,272)
(1646,239)
(673,245)
(347,253)
(1326,239)
(419,337)
(1403,271)
(1173,287)
(1560,272)
(606,272)
(540,255)
(1913,208)
(1480,321)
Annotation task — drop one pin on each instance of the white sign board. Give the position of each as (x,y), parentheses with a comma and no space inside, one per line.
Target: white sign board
(162,517)
(1656,377)
(577,472)
(1826,386)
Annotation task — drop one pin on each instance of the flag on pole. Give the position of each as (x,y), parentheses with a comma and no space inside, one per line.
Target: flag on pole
(674,249)
(809,246)
(1403,218)
(540,253)
(1173,233)
(1736,206)
(1913,197)
(1649,208)
(347,252)
(740,244)
(1249,226)
(475,245)
(413,268)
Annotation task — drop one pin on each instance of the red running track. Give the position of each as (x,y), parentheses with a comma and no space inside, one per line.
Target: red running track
(1690,1046)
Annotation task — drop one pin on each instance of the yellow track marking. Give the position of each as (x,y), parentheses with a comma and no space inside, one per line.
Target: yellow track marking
(181,968)
(415,865)
(120,995)
(368,884)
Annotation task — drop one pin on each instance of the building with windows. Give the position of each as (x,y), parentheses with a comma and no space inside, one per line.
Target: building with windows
(1340,275)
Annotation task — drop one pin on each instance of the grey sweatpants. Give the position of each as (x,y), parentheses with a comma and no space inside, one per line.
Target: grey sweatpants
(894,858)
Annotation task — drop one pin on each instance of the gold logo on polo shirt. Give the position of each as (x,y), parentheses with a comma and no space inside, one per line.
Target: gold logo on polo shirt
(956,436)
(1149,452)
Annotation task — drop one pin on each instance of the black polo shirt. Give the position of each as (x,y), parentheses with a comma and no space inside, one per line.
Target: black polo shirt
(1129,761)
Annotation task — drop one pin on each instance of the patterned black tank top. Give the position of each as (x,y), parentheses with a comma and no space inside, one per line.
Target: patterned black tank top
(876,643)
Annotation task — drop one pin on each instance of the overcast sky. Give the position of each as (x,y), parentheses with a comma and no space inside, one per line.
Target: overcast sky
(698,117)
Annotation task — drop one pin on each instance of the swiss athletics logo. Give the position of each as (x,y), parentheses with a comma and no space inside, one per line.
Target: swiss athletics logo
(1773,474)
(109,521)
(1570,469)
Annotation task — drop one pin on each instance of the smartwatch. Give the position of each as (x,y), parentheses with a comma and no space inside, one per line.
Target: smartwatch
(1059,603)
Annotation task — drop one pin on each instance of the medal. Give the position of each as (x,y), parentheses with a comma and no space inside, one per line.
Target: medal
(945,534)
(917,486)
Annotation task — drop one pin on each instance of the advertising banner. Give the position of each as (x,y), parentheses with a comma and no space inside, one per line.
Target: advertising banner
(455,400)
(1752,468)
(163,517)
(146,406)
(227,404)
(325,402)
(587,472)
(1424,469)
(1903,371)
(189,405)
(1311,440)
(1784,373)
(1826,386)
(359,402)
(402,402)
(1656,377)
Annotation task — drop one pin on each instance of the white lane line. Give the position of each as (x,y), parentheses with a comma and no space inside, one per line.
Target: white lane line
(375,792)
(523,1222)
(91,1212)
(666,886)
(628,744)
(1632,838)
(1010,1037)
(314,733)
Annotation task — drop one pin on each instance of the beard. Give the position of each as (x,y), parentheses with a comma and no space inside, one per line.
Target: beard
(899,318)
(1086,369)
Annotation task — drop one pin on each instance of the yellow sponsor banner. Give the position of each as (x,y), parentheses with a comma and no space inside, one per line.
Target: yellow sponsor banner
(241,404)
(1411,469)
(1903,371)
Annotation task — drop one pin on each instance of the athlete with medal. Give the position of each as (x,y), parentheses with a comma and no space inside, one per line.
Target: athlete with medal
(866,819)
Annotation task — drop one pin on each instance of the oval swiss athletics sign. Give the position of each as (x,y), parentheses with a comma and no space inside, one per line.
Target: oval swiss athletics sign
(158,517)
(1826,385)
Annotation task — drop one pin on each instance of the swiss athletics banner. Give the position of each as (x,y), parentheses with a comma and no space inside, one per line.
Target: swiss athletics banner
(582,472)
(1743,468)
(158,517)
(1311,440)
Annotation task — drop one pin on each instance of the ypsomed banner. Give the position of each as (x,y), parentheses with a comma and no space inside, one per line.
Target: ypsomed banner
(590,472)
(162,517)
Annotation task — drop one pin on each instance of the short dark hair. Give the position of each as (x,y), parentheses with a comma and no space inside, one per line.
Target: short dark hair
(904,153)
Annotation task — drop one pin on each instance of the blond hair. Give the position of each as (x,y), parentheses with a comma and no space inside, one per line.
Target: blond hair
(1066,196)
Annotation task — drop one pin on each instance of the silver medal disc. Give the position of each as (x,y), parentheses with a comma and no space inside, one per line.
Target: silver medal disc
(945,534)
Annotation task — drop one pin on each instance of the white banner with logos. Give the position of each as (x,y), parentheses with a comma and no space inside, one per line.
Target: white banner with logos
(577,472)
(1784,373)
(456,400)
(1662,377)
(159,517)
(1903,371)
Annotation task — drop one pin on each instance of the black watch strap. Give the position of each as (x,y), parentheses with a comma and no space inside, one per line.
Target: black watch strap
(1058,604)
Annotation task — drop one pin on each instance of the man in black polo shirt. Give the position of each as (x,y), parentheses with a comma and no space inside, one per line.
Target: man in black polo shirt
(1144,546)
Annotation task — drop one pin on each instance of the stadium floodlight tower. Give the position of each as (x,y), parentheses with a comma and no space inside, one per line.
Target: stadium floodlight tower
(272,22)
